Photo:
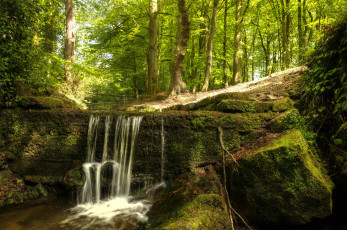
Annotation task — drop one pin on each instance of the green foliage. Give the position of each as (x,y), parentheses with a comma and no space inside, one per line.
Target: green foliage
(326,78)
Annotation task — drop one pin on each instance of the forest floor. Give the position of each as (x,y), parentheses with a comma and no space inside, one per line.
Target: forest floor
(272,87)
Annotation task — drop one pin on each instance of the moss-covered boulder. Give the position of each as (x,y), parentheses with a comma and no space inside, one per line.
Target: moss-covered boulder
(47,102)
(283,105)
(282,183)
(287,120)
(192,201)
(238,106)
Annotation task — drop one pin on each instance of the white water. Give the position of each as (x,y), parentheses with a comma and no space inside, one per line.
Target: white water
(162,150)
(111,211)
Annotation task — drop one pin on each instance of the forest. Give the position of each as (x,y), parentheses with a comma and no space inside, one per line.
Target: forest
(126,49)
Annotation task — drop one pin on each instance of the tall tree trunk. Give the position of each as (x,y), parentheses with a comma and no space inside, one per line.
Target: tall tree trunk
(210,46)
(69,53)
(202,42)
(245,74)
(239,16)
(50,27)
(253,44)
(226,84)
(152,49)
(286,22)
(238,46)
(183,31)
(136,88)
(300,33)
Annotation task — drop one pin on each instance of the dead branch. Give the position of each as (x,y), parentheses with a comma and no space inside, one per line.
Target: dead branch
(231,210)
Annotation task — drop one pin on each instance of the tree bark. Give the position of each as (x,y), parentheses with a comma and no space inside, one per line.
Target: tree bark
(245,73)
(239,16)
(226,83)
(300,33)
(177,85)
(238,47)
(152,50)
(210,47)
(69,53)
(286,22)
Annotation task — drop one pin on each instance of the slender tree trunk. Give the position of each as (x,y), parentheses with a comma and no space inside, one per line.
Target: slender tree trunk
(253,44)
(69,53)
(239,16)
(210,47)
(226,84)
(245,79)
(300,33)
(136,88)
(202,43)
(286,23)
(152,49)
(183,32)
(238,46)
(50,27)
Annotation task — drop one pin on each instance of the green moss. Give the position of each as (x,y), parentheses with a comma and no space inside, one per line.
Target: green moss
(287,120)
(237,106)
(37,191)
(45,102)
(283,105)
(204,212)
(284,182)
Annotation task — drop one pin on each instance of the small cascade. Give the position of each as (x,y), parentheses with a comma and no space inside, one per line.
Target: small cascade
(162,150)
(115,166)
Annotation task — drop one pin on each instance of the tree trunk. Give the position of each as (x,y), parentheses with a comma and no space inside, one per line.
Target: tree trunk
(210,47)
(237,64)
(152,49)
(245,74)
(300,33)
(286,22)
(177,85)
(226,84)
(69,53)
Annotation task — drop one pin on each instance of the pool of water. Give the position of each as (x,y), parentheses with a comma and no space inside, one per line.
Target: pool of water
(45,213)
(56,213)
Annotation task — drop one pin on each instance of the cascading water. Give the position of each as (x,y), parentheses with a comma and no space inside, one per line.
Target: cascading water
(114,206)
(162,150)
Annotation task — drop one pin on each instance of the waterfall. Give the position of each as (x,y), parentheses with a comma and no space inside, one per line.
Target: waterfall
(126,130)
(162,150)
(116,204)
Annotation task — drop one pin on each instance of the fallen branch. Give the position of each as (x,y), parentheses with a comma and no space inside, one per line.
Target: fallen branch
(222,144)
(231,210)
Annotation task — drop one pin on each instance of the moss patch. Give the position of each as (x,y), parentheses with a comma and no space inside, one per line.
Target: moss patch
(285,121)
(204,212)
(283,105)
(238,106)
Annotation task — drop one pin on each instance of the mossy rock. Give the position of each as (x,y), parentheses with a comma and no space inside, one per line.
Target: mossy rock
(204,212)
(35,192)
(288,120)
(282,183)
(73,179)
(238,106)
(283,105)
(47,102)
(191,201)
